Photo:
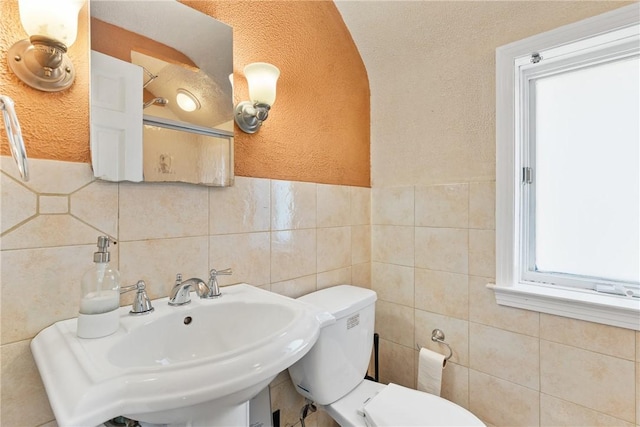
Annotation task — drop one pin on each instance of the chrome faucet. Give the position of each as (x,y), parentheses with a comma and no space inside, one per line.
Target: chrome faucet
(180,293)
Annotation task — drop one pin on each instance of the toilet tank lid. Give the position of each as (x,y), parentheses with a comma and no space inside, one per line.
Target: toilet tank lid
(341,300)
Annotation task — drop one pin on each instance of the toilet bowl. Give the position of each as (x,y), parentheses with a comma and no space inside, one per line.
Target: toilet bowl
(332,373)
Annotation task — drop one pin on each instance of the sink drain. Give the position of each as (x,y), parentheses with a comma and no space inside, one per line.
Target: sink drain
(187,320)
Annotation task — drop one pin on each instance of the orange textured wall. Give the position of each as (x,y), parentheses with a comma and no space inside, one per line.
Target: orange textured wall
(318,128)
(317,131)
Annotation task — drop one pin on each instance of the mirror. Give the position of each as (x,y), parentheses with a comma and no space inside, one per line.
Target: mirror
(161,95)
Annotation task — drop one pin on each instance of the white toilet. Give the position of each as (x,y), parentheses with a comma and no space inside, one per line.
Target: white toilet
(332,373)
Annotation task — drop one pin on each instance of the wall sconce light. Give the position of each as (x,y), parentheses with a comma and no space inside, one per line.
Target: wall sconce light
(41,61)
(262,78)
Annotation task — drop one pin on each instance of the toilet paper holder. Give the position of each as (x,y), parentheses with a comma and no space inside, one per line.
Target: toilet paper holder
(438,336)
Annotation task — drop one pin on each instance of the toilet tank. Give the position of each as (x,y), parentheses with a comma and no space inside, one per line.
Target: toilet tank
(338,361)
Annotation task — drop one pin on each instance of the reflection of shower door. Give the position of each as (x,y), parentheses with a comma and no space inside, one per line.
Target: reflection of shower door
(116,119)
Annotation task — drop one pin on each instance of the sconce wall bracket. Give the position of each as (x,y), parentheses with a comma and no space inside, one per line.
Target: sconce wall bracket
(41,62)
(249,116)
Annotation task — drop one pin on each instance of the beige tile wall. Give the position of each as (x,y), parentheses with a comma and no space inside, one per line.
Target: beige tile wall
(428,252)
(288,237)
(432,256)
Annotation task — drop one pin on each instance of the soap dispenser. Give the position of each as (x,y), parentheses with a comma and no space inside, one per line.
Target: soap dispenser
(100,297)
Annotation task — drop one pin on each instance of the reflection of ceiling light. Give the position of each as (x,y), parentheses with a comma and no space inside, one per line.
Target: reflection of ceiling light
(187,101)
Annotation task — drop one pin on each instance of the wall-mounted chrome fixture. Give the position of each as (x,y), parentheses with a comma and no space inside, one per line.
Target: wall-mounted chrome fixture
(160,102)
(151,78)
(16,143)
(41,61)
(262,78)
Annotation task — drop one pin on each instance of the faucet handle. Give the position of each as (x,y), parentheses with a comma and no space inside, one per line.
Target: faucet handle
(225,272)
(214,289)
(178,279)
(141,302)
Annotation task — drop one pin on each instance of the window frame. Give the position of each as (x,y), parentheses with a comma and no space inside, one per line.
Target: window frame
(605,48)
(509,289)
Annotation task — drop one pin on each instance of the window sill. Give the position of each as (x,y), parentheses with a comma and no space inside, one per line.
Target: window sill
(584,305)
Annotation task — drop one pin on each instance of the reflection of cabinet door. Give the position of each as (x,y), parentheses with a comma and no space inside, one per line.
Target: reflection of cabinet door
(116,119)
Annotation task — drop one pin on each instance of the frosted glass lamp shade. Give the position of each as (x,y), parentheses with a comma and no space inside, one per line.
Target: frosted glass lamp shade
(57,19)
(262,78)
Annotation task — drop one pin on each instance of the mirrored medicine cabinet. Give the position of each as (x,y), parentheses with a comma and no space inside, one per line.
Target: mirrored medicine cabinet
(161,93)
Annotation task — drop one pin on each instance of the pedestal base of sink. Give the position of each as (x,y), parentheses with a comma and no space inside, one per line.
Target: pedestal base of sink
(226,416)
(225,411)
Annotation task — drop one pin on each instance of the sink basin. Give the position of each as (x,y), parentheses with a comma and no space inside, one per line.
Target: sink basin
(178,365)
(201,332)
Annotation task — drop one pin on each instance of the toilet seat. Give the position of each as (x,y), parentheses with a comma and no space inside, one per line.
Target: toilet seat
(396,405)
(373,404)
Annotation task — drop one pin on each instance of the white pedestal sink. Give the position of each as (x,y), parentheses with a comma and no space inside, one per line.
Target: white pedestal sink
(196,364)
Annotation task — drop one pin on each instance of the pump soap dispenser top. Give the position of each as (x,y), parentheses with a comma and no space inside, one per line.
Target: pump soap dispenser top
(100,297)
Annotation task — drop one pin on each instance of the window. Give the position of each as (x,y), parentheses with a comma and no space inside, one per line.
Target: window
(568,171)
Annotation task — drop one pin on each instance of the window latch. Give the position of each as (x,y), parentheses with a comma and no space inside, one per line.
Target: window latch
(536,57)
(527,175)
(616,289)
